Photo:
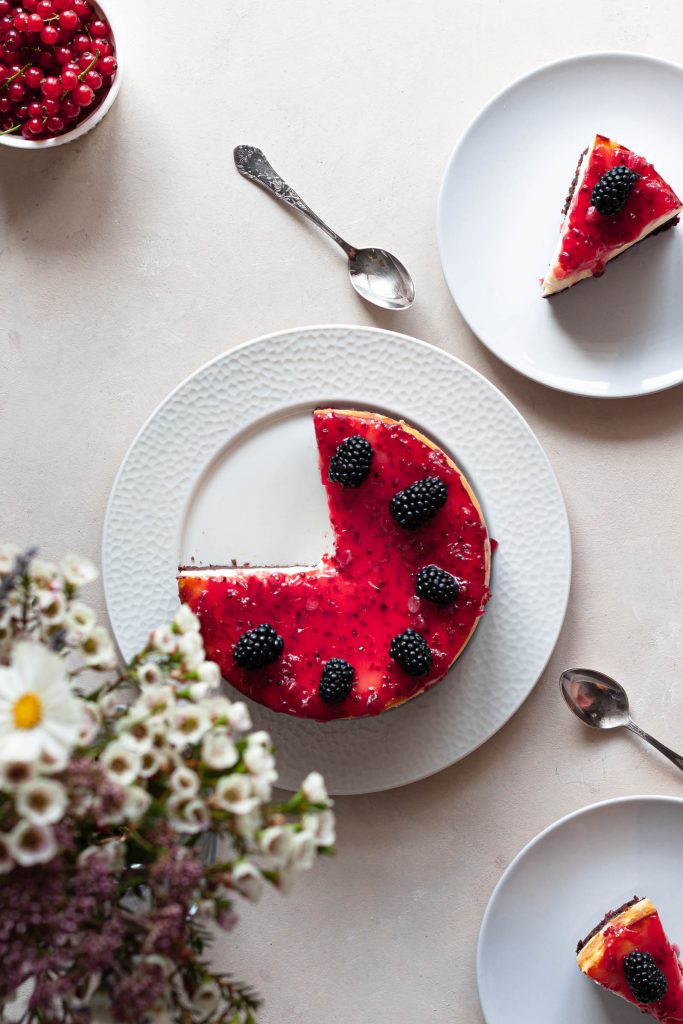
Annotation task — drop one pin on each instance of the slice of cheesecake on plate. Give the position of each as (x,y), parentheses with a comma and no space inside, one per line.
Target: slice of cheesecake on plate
(616,200)
(629,954)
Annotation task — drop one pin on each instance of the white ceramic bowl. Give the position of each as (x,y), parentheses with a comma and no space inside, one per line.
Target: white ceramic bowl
(97,115)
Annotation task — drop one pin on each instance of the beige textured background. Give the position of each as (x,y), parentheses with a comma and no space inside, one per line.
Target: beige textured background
(133,256)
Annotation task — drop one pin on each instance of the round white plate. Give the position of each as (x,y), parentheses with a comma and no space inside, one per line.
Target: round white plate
(555,892)
(499,217)
(227,467)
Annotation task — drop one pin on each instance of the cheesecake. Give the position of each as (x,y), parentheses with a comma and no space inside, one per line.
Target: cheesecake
(615,201)
(387,610)
(629,954)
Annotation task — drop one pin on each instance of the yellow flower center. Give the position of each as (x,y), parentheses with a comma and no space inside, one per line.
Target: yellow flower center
(27,711)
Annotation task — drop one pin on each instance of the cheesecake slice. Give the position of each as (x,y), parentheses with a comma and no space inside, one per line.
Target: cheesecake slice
(630,954)
(616,200)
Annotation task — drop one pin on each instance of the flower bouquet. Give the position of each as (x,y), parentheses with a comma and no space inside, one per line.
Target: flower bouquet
(136,807)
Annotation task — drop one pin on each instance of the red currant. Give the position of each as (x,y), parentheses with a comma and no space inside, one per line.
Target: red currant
(26,131)
(35,109)
(35,125)
(5,7)
(86,59)
(69,109)
(51,87)
(62,54)
(98,28)
(33,77)
(83,95)
(7,123)
(30,5)
(63,5)
(69,79)
(13,40)
(21,111)
(45,8)
(46,59)
(107,65)
(35,22)
(16,90)
(102,47)
(93,79)
(50,106)
(5,104)
(49,35)
(82,8)
(21,21)
(68,20)
(4,74)
(55,125)
(80,44)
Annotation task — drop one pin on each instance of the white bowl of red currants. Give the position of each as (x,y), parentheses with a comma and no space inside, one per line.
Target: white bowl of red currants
(59,70)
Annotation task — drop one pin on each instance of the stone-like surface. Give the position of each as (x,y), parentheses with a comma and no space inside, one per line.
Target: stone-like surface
(139,253)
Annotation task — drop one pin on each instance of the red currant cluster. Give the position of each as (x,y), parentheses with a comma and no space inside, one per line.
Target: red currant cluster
(57,63)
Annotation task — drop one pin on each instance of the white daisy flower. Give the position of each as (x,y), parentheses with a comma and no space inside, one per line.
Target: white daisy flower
(313,788)
(206,1000)
(80,620)
(41,801)
(276,843)
(185,620)
(184,781)
(218,750)
(239,716)
(247,880)
(137,801)
(90,725)
(31,844)
(121,763)
(78,571)
(321,826)
(8,556)
(15,773)
(190,816)
(38,710)
(164,640)
(98,649)
(234,793)
(188,723)
(6,859)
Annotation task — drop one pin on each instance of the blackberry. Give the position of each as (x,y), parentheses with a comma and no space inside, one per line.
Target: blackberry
(258,647)
(350,464)
(336,681)
(418,503)
(412,653)
(436,585)
(610,194)
(646,981)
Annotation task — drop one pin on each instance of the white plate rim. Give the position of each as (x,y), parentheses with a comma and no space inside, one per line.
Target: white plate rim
(597,807)
(378,332)
(548,381)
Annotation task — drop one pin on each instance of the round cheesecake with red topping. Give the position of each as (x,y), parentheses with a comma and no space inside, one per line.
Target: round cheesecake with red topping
(387,612)
(616,200)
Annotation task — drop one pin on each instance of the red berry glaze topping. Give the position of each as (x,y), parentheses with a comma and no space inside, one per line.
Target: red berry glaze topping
(362,596)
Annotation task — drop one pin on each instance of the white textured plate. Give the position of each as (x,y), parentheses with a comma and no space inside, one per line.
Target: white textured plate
(500,212)
(227,468)
(556,890)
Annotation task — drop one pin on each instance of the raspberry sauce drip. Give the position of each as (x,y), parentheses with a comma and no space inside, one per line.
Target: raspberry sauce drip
(363,593)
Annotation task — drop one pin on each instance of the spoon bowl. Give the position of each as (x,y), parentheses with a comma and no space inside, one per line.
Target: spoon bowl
(381,278)
(595,698)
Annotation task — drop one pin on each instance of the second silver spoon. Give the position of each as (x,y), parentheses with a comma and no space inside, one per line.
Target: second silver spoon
(602,703)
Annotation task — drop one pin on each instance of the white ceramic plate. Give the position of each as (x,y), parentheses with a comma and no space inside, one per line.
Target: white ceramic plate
(557,890)
(500,211)
(227,467)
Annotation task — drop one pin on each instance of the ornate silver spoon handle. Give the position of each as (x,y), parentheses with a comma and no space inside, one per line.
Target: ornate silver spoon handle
(661,747)
(252,164)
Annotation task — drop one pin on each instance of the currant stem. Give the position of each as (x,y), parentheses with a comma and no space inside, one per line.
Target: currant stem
(90,65)
(9,131)
(16,74)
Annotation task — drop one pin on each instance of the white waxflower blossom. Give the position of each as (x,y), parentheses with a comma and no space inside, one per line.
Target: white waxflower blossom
(52,607)
(239,717)
(15,773)
(262,785)
(38,710)
(218,750)
(188,723)
(321,826)
(185,620)
(110,703)
(190,816)
(157,700)
(136,802)
(247,880)
(209,674)
(98,649)
(50,763)
(41,801)
(302,851)
(6,859)
(80,620)
(31,844)
(184,781)
(191,649)
(121,763)
(112,853)
(135,733)
(150,763)
(234,793)
(8,557)
(43,573)
(248,824)
(164,640)
(206,1000)
(276,843)
(218,708)
(313,788)
(150,674)
(78,571)
(90,724)
(258,755)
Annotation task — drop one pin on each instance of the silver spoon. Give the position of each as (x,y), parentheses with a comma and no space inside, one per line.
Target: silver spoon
(376,275)
(602,703)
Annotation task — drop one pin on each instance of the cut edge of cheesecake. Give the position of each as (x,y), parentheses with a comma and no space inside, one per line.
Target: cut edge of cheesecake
(552,285)
(590,950)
